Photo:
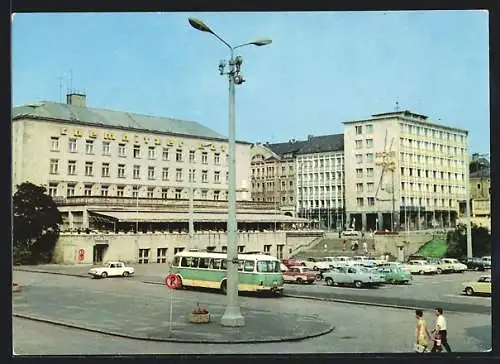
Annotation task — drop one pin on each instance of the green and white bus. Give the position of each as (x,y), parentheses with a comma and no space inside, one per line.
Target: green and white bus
(257,272)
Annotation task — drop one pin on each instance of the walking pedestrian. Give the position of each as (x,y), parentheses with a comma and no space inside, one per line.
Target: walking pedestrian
(344,243)
(421,333)
(365,247)
(440,330)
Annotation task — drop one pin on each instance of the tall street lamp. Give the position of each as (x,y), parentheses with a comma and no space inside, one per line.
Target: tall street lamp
(232,315)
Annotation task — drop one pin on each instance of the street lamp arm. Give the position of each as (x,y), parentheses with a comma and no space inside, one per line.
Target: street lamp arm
(223,41)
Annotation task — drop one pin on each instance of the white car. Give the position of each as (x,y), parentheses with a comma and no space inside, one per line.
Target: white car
(420,267)
(338,261)
(317,264)
(112,269)
(457,266)
(362,260)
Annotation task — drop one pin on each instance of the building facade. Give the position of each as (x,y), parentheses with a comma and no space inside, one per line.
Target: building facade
(480,188)
(79,151)
(320,181)
(403,171)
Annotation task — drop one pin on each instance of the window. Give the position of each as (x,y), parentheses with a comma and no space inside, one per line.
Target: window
(359,130)
(70,192)
(137,151)
(164,174)
(151,152)
(151,172)
(204,194)
(161,255)
(369,128)
(150,192)
(89,147)
(359,187)
(265,266)
(72,145)
(204,176)
(192,156)
(71,167)
(359,202)
(178,155)
(87,190)
(204,157)
(216,177)
(267,249)
(178,174)
(359,144)
(106,148)
(104,190)
(369,157)
(279,255)
(144,256)
(369,187)
(121,171)
(371,201)
(203,263)
(369,172)
(369,143)
(248,266)
(216,195)
(135,191)
(89,168)
(137,171)
(241,248)
(120,191)
(122,150)
(54,144)
(359,158)
(105,169)
(214,263)
(165,154)
(164,193)
(359,172)
(178,194)
(216,158)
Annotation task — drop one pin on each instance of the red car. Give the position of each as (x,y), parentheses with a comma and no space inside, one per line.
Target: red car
(299,274)
(293,262)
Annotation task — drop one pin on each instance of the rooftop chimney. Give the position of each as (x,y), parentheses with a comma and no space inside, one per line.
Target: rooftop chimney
(76,99)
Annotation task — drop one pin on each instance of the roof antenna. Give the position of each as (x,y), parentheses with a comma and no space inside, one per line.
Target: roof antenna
(70,80)
(60,79)
(397,106)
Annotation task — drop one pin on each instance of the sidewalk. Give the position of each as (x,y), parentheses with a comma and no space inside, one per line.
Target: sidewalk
(134,316)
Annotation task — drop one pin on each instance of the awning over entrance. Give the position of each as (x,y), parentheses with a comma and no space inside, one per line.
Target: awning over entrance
(132,216)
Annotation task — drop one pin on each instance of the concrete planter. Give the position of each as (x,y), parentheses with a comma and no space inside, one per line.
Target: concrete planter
(199,318)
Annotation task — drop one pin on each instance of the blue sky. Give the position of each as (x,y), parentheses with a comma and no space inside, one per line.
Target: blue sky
(321,69)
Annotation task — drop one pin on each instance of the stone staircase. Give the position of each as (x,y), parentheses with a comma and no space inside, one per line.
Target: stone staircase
(331,246)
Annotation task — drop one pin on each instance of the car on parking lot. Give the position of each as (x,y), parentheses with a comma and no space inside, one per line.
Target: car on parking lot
(457,267)
(394,274)
(361,259)
(300,275)
(338,261)
(477,264)
(356,276)
(441,266)
(420,267)
(481,286)
(293,262)
(317,264)
(111,269)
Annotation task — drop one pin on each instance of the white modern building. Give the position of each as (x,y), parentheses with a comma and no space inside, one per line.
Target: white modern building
(403,171)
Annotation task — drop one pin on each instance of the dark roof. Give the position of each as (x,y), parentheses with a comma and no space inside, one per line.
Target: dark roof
(314,144)
(481,173)
(401,113)
(111,118)
(292,146)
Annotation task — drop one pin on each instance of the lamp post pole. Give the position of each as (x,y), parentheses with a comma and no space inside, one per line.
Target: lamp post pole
(232,315)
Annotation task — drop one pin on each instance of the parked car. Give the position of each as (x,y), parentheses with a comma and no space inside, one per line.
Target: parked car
(365,261)
(338,261)
(441,266)
(317,264)
(112,269)
(487,259)
(283,268)
(394,274)
(456,265)
(481,286)
(293,262)
(350,233)
(477,264)
(300,275)
(420,267)
(391,264)
(356,276)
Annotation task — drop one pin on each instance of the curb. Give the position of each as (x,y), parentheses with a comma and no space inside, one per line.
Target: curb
(339,300)
(173,339)
(51,272)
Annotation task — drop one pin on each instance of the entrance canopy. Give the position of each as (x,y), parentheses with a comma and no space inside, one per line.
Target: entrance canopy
(150,216)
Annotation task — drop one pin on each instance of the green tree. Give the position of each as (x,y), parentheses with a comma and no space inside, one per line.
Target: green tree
(478,162)
(457,241)
(36,224)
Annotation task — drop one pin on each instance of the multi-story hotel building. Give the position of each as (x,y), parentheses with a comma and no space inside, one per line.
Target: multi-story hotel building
(320,180)
(403,171)
(79,151)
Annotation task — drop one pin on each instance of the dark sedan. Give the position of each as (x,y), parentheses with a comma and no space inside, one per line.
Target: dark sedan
(476,264)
